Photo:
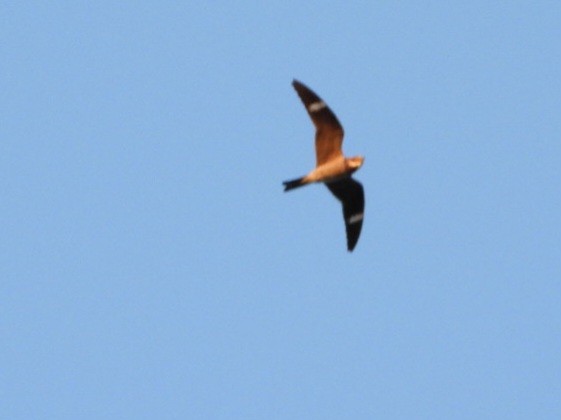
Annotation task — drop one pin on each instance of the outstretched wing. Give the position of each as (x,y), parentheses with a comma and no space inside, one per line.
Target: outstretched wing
(329,132)
(351,195)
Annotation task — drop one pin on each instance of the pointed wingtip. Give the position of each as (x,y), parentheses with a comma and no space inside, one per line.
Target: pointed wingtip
(297,83)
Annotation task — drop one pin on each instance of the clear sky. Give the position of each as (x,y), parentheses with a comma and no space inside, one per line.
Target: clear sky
(151,266)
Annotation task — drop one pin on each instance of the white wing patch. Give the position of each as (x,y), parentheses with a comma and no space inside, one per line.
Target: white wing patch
(316,106)
(356,218)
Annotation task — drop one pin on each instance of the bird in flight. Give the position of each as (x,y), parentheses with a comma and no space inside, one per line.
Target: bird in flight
(332,167)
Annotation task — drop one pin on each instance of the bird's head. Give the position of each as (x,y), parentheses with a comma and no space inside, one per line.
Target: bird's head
(355,162)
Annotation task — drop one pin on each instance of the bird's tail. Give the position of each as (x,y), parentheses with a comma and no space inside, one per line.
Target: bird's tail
(293,183)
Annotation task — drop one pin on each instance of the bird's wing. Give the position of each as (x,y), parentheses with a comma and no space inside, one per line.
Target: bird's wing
(351,195)
(329,132)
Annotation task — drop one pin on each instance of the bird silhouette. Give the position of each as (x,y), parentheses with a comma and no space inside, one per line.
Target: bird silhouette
(332,167)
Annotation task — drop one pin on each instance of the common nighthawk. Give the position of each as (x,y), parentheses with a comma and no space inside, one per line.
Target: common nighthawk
(332,168)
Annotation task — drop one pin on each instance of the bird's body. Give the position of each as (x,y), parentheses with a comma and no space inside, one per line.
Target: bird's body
(330,171)
(332,167)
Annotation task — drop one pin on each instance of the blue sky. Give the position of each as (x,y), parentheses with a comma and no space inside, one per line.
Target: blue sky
(152,267)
